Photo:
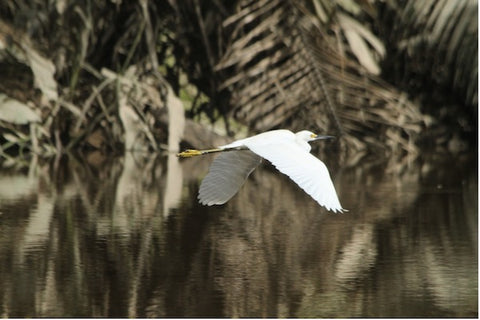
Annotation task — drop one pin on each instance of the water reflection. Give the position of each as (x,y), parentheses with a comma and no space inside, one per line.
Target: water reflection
(126,237)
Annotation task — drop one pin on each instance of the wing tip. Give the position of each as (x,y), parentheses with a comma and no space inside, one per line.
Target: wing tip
(210,202)
(336,209)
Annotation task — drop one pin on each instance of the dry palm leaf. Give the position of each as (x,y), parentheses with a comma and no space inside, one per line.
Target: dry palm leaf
(286,71)
(440,39)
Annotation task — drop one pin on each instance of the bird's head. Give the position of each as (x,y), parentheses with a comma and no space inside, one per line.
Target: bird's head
(308,136)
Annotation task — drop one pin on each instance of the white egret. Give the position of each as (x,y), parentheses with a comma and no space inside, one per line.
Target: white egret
(289,152)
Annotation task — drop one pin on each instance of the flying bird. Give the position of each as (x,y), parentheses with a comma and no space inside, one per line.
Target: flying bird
(289,152)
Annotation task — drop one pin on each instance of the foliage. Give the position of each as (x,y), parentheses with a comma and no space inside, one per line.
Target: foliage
(434,56)
(106,74)
(309,64)
(438,41)
(96,83)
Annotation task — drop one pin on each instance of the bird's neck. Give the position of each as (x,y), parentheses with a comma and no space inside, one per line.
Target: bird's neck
(305,145)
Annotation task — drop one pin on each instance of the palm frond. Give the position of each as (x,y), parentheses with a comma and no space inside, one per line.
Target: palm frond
(285,70)
(437,37)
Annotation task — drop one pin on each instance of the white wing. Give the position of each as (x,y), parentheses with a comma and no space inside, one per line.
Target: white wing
(303,168)
(226,175)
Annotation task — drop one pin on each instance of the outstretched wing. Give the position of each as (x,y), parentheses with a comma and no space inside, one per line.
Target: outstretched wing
(304,169)
(226,175)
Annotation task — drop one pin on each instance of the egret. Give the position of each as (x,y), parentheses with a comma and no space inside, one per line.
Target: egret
(289,152)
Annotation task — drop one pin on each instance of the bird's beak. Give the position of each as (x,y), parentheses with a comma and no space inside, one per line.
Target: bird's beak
(319,137)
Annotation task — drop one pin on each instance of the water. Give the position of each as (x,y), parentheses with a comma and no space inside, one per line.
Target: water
(125,237)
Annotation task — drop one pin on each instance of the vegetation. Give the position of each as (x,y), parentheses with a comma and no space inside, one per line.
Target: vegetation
(385,76)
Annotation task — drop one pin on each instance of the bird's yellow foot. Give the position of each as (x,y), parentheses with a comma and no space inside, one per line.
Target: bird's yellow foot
(189,153)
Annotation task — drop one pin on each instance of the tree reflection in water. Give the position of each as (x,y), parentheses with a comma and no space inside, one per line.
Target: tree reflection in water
(125,237)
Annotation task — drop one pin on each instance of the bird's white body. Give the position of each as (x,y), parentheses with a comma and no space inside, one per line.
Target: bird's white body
(280,136)
(289,152)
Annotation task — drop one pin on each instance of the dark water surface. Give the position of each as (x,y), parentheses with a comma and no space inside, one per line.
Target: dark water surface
(126,238)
